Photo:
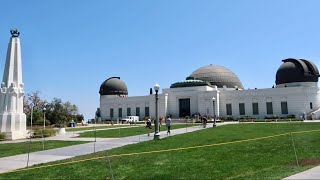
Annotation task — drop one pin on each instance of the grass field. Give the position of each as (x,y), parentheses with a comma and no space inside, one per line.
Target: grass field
(271,158)
(125,132)
(96,127)
(10,149)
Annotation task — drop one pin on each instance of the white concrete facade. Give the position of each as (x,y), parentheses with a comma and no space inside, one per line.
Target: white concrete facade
(12,118)
(203,99)
(299,100)
(141,106)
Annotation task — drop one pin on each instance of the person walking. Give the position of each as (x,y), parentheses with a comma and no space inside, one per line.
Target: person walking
(160,124)
(168,124)
(204,121)
(148,126)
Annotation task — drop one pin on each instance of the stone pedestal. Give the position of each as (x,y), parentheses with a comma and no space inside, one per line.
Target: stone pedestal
(62,131)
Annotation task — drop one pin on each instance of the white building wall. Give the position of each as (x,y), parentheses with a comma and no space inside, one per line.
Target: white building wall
(162,105)
(297,98)
(163,101)
(201,101)
(107,102)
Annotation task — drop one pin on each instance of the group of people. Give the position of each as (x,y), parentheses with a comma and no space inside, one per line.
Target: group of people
(168,123)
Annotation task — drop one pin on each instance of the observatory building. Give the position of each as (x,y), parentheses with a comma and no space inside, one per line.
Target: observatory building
(218,92)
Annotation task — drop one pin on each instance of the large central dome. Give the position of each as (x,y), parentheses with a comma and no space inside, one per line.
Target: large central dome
(217,75)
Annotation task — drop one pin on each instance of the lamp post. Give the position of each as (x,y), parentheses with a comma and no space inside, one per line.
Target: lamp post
(156,129)
(214,112)
(31,115)
(44,118)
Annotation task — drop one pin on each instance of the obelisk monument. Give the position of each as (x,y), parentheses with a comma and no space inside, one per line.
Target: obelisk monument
(12,118)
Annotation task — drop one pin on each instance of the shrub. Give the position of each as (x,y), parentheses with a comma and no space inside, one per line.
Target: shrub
(244,120)
(263,120)
(291,116)
(230,118)
(39,122)
(296,119)
(38,132)
(2,136)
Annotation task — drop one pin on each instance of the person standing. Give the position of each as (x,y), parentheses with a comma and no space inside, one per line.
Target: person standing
(160,124)
(168,124)
(148,126)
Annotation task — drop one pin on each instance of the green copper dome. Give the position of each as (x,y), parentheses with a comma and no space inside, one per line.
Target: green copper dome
(190,82)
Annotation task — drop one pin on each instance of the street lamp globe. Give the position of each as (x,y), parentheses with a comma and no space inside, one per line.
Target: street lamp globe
(156,87)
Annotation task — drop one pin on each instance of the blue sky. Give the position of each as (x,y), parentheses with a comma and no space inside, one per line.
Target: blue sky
(70,47)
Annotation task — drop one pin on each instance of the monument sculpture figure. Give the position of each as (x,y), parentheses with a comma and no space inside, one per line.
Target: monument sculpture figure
(12,117)
(14,32)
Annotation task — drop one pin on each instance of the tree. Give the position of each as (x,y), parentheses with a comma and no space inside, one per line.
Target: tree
(79,118)
(57,112)
(60,113)
(33,100)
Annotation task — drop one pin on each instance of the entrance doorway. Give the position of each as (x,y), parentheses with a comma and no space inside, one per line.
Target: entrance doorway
(184,107)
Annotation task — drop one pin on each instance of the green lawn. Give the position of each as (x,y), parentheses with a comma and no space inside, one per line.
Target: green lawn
(262,159)
(11,149)
(96,127)
(125,132)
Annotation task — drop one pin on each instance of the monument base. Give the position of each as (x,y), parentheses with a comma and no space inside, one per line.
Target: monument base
(13,125)
(13,135)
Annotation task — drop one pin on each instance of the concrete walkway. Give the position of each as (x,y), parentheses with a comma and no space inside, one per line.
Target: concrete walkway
(313,173)
(102,144)
(69,136)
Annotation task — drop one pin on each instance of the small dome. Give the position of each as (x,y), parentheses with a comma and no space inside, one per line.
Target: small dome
(297,70)
(113,86)
(217,75)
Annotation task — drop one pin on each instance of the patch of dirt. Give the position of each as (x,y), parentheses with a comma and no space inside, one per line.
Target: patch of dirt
(309,162)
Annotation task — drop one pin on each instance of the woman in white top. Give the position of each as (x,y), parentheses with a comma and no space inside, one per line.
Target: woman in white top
(168,124)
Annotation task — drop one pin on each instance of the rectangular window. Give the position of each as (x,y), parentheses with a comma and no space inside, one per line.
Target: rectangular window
(120,112)
(128,111)
(311,105)
(242,110)
(255,108)
(146,109)
(269,108)
(137,111)
(284,108)
(111,112)
(229,109)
